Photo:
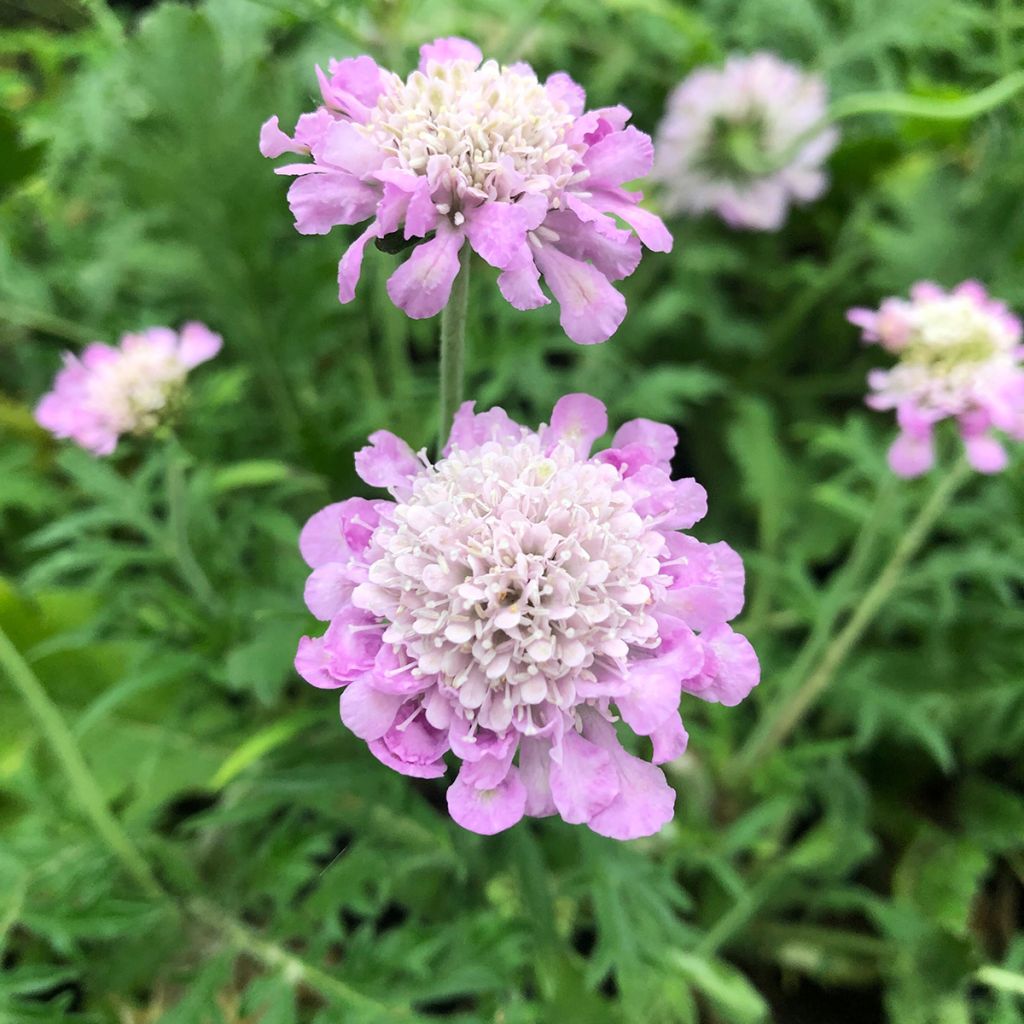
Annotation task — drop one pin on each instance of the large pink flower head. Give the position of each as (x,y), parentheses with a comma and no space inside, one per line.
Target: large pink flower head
(468,151)
(741,140)
(515,600)
(960,357)
(129,389)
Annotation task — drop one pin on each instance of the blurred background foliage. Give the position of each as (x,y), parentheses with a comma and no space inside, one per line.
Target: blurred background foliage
(871,870)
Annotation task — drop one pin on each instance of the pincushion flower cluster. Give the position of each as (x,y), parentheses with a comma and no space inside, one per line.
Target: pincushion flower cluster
(132,388)
(745,140)
(515,599)
(960,358)
(469,152)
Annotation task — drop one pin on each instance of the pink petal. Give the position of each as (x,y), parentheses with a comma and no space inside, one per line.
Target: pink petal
(645,802)
(910,455)
(344,147)
(412,746)
(985,453)
(649,228)
(486,811)
(534,765)
(328,589)
(320,202)
(197,344)
(614,252)
(351,265)
(669,740)
(659,437)
(387,461)
(311,663)
(497,231)
(562,89)
(447,49)
(339,531)
(471,429)
(368,712)
(274,142)
(421,285)
(584,781)
(619,157)
(654,696)
(731,670)
(520,287)
(577,420)
(591,309)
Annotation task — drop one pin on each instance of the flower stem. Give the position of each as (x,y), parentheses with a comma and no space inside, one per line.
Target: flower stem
(775,728)
(81,781)
(177,522)
(962,109)
(453,346)
(293,968)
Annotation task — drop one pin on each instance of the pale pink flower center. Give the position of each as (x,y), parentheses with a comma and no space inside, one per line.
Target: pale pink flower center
(130,391)
(498,127)
(514,575)
(952,346)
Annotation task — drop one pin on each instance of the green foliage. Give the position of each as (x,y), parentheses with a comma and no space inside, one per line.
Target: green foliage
(869,869)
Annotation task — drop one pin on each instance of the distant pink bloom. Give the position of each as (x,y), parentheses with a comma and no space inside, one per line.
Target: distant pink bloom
(513,601)
(466,150)
(742,141)
(960,357)
(107,392)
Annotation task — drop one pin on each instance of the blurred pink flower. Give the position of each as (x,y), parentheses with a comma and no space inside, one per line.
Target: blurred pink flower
(741,140)
(107,392)
(467,151)
(508,597)
(960,357)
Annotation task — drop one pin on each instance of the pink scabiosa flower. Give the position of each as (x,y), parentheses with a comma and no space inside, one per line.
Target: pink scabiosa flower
(960,357)
(129,389)
(466,151)
(741,140)
(513,602)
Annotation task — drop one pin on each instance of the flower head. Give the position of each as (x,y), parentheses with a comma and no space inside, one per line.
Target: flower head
(960,357)
(131,389)
(741,140)
(467,151)
(512,602)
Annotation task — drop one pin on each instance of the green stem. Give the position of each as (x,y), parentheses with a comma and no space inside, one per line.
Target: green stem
(453,346)
(47,323)
(295,969)
(82,784)
(900,104)
(906,105)
(177,523)
(775,729)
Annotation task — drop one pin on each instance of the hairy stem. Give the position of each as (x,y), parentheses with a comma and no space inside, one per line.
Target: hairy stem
(177,521)
(83,785)
(453,346)
(775,728)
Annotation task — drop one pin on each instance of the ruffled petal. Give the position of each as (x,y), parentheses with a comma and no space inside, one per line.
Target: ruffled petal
(387,461)
(312,663)
(486,811)
(421,285)
(322,200)
(591,310)
(583,781)
(447,49)
(645,802)
(577,420)
(619,157)
(368,712)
